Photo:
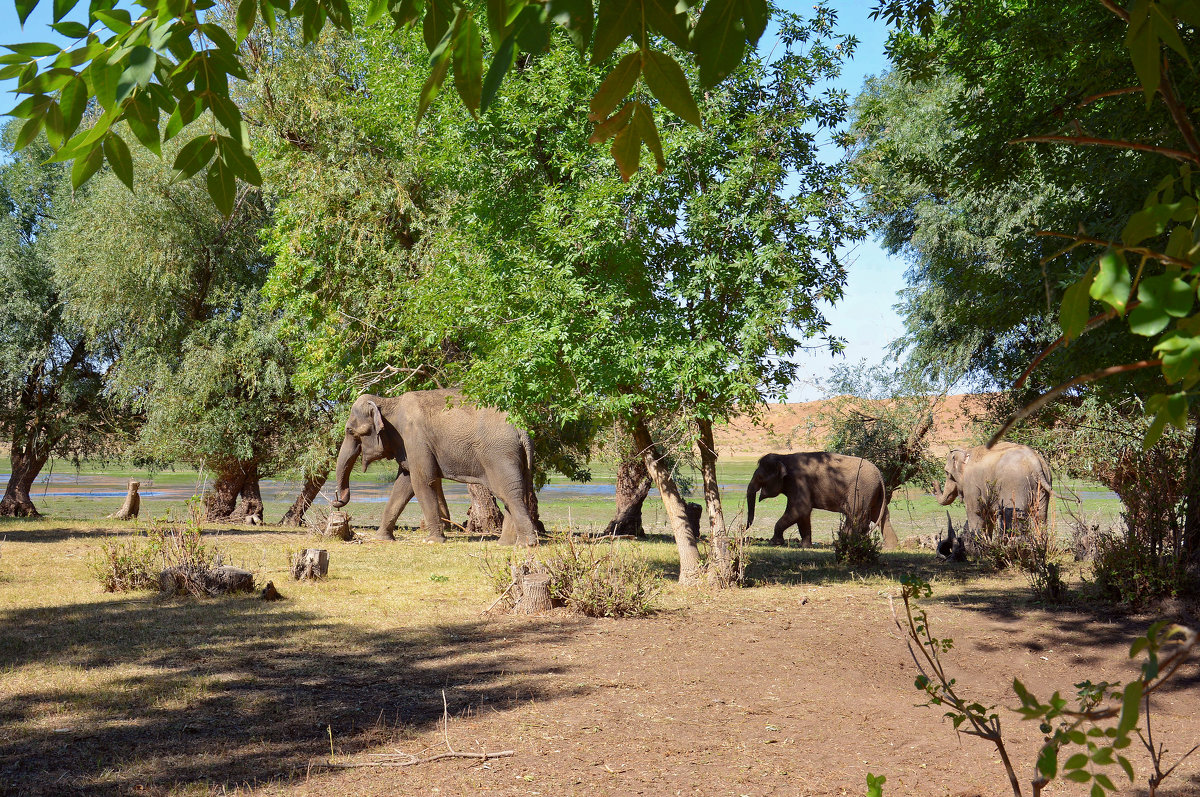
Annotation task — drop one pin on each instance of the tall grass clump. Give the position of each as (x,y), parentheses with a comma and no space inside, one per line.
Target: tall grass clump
(168,543)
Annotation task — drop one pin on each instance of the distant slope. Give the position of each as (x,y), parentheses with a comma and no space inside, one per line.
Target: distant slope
(801,427)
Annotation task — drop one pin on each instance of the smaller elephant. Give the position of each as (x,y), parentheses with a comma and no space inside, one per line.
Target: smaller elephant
(835,482)
(1008,482)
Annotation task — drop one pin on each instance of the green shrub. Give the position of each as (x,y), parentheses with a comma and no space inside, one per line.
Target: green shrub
(1129,571)
(857,544)
(130,565)
(167,543)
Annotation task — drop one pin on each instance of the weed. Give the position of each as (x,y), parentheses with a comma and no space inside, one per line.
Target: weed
(168,543)
(857,543)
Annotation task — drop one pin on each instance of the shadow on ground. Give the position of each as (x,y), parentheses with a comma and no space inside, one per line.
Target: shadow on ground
(236,691)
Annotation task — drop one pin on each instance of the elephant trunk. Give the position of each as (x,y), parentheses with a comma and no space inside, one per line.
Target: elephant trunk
(751,490)
(347,454)
(949,493)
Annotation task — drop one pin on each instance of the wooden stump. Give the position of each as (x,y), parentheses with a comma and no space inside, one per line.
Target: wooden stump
(339,526)
(535,594)
(310,564)
(484,516)
(133,503)
(217,581)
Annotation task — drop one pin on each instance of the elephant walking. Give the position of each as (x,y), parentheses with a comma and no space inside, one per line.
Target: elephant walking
(1008,482)
(435,435)
(835,482)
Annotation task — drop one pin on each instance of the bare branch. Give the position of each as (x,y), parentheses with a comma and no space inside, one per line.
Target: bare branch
(1087,141)
(1093,322)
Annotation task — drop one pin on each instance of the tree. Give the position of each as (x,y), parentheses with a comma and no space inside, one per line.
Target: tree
(50,376)
(175,62)
(171,286)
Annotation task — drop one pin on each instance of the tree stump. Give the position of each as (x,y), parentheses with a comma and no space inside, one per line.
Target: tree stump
(310,564)
(484,516)
(133,503)
(535,594)
(216,581)
(339,526)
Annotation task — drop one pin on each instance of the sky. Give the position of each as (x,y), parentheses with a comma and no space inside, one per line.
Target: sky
(865,318)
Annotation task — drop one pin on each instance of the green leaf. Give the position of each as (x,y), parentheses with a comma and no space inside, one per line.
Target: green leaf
(665,79)
(497,16)
(576,17)
(1130,703)
(719,40)
(239,161)
(87,165)
(532,30)
(1097,789)
(1076,304)
(142,61)
(1180,354)
(29,132)
(615,21)
(663,16)
(468,63)
(1078,775)
(24,9)
(616,86)
(34,49)
(267,11)
(1144,52)
(433,83)
(612,125)
(1146,223)
(501,62)
(647,131)
(227,114)
(115,19)
(376,11)
(193,157)
(103,78)
(247,11)
(1164,26)
(72,30)
(1112,283)
(627,151)
(117,153)
(755,13)
(1125,765)
(56,131)
(1161,298)
(1047,761)
(142,118)
(1076,761)
(222,188)
(437,22)
(875,785)
(45,82)
(73,101)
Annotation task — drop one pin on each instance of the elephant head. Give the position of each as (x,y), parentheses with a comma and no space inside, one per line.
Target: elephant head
(366,434)
(956,462)
(767,481)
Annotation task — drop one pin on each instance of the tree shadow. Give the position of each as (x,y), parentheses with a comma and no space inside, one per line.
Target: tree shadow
(234,690)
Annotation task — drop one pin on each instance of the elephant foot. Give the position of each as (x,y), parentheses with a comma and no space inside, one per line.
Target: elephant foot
(433,539)
(385,536)
(777,541)
(806,543)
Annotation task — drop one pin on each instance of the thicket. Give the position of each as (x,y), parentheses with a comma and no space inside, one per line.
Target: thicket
(167,543)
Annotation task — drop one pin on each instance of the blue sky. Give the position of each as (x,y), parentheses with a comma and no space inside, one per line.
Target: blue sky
(865,317)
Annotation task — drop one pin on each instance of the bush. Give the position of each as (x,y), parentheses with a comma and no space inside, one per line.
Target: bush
(167,543)
(857,543)
(1129,571)
(602,577)
(128,566)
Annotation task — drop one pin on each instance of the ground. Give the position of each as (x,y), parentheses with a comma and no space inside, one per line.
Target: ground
(797,685)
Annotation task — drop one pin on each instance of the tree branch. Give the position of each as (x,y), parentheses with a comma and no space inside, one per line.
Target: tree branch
(1087,141)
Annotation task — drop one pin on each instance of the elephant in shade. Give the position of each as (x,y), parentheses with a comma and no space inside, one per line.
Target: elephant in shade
(1009,482)
(835,482)
(435,435)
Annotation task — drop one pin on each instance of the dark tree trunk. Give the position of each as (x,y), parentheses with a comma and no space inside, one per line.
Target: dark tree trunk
(221,498)
(664,480)
(1191,518)
(251,505)
(723,571)
(633,485)
(484,516)
(26,465)
(312,487)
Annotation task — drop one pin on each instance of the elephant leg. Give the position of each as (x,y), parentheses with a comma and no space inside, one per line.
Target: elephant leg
(508,532)
(427,490)
(804,526)
(437,533)
(518,527)
(402,493)
(791,516)
(890,541)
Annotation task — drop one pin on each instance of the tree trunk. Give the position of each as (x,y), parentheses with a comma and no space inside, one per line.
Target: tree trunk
(133,503)
(723,570)
(689,552)
(1191,518)
(484,517)
(221,498)
(251,507)
(26,465)
(312,487)
(633,485)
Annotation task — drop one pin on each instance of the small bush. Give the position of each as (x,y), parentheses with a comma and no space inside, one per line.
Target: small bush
(128,566)
(167,543)
(857,544)
(604,577)
(1127,570)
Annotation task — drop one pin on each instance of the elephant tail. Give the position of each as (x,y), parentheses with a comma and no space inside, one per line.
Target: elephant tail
(527,449)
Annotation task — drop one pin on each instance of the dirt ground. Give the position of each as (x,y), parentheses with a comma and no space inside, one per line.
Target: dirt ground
(796,686)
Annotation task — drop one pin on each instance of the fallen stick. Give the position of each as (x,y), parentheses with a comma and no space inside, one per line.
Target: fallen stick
(412,760)
(503,595)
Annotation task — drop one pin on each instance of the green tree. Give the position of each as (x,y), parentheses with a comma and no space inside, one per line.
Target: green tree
(50,377)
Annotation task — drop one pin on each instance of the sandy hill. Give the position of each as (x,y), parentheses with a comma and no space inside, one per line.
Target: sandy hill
(803,427)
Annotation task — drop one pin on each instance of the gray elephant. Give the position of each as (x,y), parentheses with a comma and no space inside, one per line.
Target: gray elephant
(1009,482)
(835,482)
(435,435)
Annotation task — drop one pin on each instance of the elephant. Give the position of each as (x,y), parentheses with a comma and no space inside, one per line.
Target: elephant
(435,435)
(1008,480)
(836,482)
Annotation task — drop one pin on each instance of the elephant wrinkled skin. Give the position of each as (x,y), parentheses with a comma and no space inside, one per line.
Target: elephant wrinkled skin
(835,482)
(1008,480)
(435,435)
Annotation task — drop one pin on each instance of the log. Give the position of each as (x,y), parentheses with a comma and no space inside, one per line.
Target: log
(216,581)
(535,594)
(310,564)
(339,526)
(133,503)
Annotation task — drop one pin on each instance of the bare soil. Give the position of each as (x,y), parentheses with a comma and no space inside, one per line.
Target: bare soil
(797,686)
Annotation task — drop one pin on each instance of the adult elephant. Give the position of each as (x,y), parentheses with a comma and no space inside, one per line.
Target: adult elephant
(835,482)
(435,435)
(1007,482)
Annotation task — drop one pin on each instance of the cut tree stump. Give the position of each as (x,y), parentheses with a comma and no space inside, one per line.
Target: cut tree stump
(217,581)
(133,503)
(310,564)
(530,590)
(339,526)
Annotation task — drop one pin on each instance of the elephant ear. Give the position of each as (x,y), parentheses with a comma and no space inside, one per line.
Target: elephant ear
(781,470)
(956,462)
(376,417)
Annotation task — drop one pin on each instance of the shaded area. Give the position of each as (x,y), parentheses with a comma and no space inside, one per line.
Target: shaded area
(236,691)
